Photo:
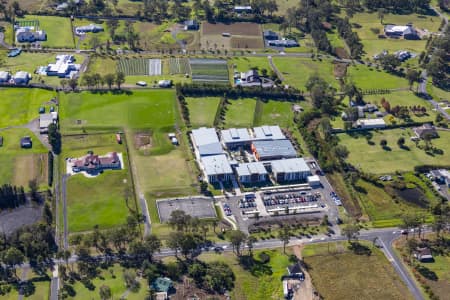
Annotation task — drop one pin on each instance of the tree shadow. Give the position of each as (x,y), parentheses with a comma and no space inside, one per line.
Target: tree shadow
(427,273)
(255,267)
(387,148)
(359,249)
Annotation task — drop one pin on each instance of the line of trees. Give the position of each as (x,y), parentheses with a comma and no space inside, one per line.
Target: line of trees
(351,38)
(11,196)
(98,81)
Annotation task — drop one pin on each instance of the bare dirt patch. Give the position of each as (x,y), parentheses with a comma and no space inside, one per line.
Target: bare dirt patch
(142,141)
(340,70)
(30,167)
(306,291)
(243,28)
(188,290)
(341,53)
(246,43)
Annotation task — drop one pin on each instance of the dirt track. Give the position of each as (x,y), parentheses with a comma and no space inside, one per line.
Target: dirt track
(306,292)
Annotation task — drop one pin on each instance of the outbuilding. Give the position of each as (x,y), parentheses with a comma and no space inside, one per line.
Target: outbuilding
(22,77)
(314,181)
(370,123)
(4,76)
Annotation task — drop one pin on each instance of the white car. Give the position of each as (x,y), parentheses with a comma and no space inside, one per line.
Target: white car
(141,83)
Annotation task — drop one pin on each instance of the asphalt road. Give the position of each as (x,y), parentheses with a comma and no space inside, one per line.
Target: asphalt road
(64,203)
(423,91)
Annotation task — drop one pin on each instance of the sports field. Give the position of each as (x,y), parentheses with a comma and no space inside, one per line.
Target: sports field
(58,29)
(202,110)
(296,71)
(240,113)
(137,109)
(352,276)
(374,159)
(20,106)
(19,166)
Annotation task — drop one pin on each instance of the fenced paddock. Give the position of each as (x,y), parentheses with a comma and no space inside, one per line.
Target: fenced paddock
(154,67)
(209,70)
(179,65)
(200,207)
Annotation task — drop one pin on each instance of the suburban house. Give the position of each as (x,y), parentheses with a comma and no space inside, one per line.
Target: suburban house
(191,25)
(26,142)
(216,168)
(239,9)
(252,78)
(94,28)
(46,119)
(270,35)
(236,137)
(370,123)
(268,133)
(275,149)
(4,76)
(295,271)
(424,255)
(284,43)
(424,130)
(21,77)
(251,172)
(293,169)
(64,67)
(28,34)
(206,142)
(405,31)
(92,163)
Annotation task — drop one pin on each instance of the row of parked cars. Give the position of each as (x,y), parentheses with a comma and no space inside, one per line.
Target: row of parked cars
(227,209)
(336,198)
(247,203)
(290,198)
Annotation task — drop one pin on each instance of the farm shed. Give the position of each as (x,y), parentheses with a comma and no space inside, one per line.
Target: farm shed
(370,123)
(191,25)
(22,77)
(4,76)
(45,120)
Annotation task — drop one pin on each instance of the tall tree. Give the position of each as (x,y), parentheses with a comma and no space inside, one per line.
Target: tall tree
(237,238)
(284,236)
(120,78)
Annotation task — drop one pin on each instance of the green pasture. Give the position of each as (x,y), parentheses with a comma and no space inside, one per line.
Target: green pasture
(374,159)
(244,64)
(136,109)
(275,113)
(296,71)
(240,113)
(202,110)
(366,77)
(154,36)
(102,65)
(58,29)
(352,276)
(18,106)
(19,166)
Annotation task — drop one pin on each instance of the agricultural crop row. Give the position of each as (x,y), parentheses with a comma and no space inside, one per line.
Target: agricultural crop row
(209,70)
(179,65)
(135,66)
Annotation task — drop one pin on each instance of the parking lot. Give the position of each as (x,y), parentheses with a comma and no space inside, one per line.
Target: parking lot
(199,207)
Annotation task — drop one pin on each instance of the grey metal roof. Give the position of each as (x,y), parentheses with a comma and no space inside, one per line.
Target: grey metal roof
(234,135)
(206,141)
(275,148)
(216,165)
(250,168)
(268,133)
(291,165)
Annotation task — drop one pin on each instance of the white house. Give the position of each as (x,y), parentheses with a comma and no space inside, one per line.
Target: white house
(63,67)
(28,34)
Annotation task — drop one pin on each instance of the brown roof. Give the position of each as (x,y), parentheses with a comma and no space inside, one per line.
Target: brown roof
(92,161)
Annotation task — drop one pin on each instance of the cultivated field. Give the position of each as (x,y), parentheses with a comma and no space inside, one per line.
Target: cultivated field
(240,113)
(19,166)
(179,65)
(209,70)
(242,36)
(99,200)
(202,110)
(134,66)
(374,159)
(59,32)
(352,276)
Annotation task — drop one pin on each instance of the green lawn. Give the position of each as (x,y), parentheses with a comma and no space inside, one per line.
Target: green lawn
(296,71)
(373,45)
(19,106)
(366,77)
(244,64)
(255,287)
(374,159)
(112,277)
(277,113)
(19,166)
(202,110)
(240,113)
(338,273)
(58,29)
(139,109)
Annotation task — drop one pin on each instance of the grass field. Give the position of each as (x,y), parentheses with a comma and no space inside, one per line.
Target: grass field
(373,45)
(19,106)
(352,276)
(202,110)
(19,166)
(156,37)
(291,68)
(240,113)
(374,159)
(140,109)
(102,65)
(112,277)
(276,113)
(244,64)
(255,287)
(58,29)
(366,77)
